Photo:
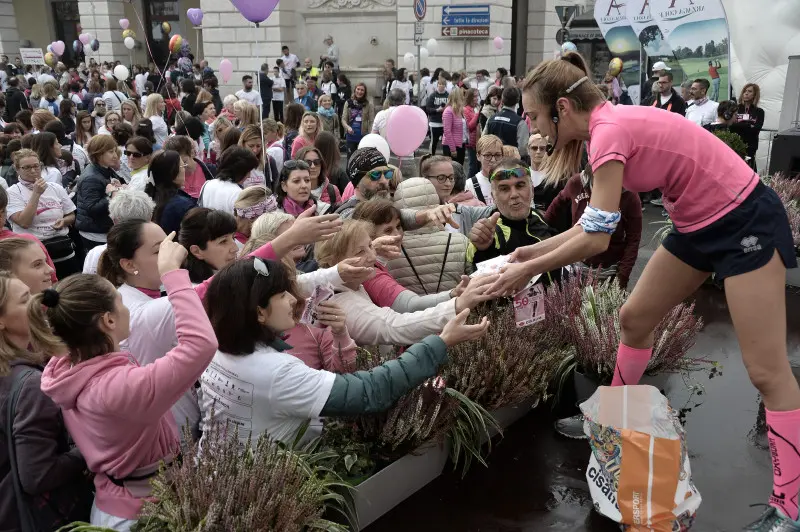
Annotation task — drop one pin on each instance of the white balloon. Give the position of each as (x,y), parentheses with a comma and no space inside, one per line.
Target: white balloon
(423,53)
(409,60)
(129,43)
(432,45)
(373,140)
(121,72)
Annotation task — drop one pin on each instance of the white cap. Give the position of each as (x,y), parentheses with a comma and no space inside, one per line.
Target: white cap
(660,65)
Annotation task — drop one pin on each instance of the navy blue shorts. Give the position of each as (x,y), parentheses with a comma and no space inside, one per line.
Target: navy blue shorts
(742,241)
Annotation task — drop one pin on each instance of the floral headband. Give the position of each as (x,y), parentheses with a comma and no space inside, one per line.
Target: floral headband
(270,204)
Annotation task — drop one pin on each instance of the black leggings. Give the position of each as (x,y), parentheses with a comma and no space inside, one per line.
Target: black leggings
(277,110)
(459,156)
(436,136)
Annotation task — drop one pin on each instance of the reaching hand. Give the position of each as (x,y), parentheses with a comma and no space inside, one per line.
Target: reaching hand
(477,291)
(442,214)
(388,247)
(457,331)
(353,272)
(513,278)
(482,232)
(308,228)
(332,315)
(458,290)
(170,255)
(526,253)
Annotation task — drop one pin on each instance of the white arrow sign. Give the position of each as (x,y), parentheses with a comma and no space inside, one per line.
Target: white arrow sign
(481,10)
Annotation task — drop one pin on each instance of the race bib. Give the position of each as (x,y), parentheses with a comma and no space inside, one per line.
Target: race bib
(529,306)
(322,292)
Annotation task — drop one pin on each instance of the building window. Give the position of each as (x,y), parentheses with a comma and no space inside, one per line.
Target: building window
(156,13)
(67,18)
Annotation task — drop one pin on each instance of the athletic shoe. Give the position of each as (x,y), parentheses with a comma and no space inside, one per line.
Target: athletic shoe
(772,520)
(657,201)
(571,427)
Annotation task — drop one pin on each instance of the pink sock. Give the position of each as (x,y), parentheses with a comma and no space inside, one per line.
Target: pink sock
(783,431)
(631,363)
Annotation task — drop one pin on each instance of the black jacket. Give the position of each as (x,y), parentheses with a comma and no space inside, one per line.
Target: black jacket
(750,128)
(266,88)
(217,99)
(15,102)
(504,125)
(675,104)
(435,101)
(92,201)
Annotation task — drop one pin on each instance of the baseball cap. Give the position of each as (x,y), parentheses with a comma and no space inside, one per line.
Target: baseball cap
(660,65)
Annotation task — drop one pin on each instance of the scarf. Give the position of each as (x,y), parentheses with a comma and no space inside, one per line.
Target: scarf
(240,237)
(149,292)
(354,104)
(290,206)
(327,113)
(27,184)
(700,102)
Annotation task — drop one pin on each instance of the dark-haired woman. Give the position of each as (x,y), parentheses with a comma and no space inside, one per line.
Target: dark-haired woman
(138,151)
(66,113)
(234,167)
(294,190)
(725,221)
(48,149)
(117,411)
(167,175)
(84,129)
(283,393)
(357,117)
(321,187)
(328,149)
(294,117)
(208,235)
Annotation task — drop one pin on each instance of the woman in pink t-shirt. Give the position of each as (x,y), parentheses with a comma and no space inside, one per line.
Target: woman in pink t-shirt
(725,222)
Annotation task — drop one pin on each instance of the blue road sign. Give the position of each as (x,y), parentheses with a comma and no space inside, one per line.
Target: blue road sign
(420,8)
(466,15)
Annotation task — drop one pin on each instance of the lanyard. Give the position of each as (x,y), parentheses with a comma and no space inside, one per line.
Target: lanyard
(658,100)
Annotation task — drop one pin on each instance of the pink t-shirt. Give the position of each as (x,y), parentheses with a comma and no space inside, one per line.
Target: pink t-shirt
(383,289)
(194,181)
(701,178)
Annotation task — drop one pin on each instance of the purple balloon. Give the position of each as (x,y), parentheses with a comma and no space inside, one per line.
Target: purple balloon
(255,10)
(77,46)
(94,45)
(195,16)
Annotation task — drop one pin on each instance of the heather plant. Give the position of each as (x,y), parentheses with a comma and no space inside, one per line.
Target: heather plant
(788,191)
(509,364)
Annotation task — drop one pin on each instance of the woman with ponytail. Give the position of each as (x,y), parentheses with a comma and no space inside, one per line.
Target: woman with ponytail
(725,220)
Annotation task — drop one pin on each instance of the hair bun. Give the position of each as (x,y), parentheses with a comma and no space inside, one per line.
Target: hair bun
(50,298)
(575,59)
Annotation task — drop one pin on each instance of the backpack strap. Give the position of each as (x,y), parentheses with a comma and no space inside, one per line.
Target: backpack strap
(413,269)
(444,261)
(477,187)
(25,517)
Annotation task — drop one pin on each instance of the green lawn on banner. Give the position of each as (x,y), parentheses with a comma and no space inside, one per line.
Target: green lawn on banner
(697,67)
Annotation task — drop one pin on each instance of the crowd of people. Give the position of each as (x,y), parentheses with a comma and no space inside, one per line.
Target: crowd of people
(160,244)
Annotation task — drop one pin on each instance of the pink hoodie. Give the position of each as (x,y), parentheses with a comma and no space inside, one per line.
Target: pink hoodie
(319,348)
(118,412)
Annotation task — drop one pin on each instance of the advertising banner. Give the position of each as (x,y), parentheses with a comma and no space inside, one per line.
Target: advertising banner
(646,29)
(621,40)
(697,32)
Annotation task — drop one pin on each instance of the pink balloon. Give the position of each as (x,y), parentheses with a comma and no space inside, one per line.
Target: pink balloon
(124,23)
(255,10)
(498,43)
(59,47)
(406,129)
(85,38)
(226,70)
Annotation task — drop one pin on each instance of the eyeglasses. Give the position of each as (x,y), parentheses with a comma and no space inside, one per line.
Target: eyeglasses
(492,156)
(133,154)
(510,173)
(31,168)
(296,164)
(376,175)
(442,178)
(98,104)
(537,148)
(312,162)
(260,267)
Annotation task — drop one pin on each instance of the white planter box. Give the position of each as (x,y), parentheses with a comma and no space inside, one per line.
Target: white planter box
(396,482)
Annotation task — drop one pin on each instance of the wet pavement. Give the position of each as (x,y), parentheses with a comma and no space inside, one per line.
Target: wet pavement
(536,479)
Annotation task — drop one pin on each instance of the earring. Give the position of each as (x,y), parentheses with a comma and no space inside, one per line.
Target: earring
(135,272)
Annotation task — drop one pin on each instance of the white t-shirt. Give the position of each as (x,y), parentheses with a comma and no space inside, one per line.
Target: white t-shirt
(276,152)
(267,391)
(160,129)
(485,185)
(278,83)
(251,96)
(329,88)
(381,119)
(114,100)
(289,62)
(51,174)
(44,104)
(219,194)
(404,86)
(703,114)
(93,259)
(54,204)
(140,80)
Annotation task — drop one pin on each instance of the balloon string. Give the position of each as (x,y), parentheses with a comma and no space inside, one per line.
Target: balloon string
(268,167)
(146,39)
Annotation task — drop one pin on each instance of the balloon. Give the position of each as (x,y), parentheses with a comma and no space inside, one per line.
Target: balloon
(175,43)
(77,46)
(409,60)
(498,43)
(406,129)
(615,66)
(195,16)
(50,59)
(124,23)
(568,46)
(255,10)
(121,72)
(95,45)
(423,53)
(128,33)
(226,70)
(373,140)
(432,45)
(50,48)
(59,47)
(166,28)
(85,38)
(129,43)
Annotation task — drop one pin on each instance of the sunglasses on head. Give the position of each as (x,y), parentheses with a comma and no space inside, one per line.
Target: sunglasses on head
(376,175)
(296,164)
(509,173)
